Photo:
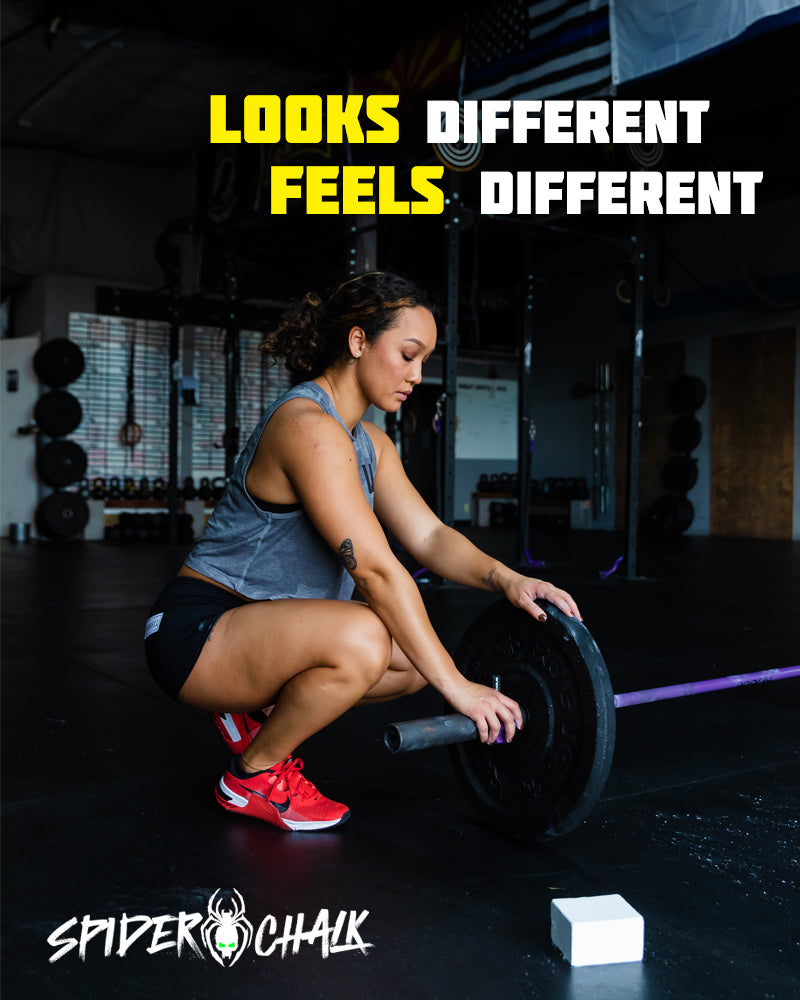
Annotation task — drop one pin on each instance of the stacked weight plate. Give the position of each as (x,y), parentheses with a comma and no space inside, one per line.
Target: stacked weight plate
(59,461)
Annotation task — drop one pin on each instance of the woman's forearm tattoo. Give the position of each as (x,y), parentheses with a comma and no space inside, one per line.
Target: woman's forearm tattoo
(489,580)
(347,555)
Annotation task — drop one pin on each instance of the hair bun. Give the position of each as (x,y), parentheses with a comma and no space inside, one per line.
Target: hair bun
(312,335)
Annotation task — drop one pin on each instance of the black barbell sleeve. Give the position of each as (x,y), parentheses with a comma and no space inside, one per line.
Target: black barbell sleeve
(437,731)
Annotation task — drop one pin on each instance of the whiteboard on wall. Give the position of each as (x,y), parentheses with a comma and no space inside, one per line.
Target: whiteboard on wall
(486,415)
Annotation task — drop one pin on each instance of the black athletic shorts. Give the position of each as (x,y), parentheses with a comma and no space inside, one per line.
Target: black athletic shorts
(178,625)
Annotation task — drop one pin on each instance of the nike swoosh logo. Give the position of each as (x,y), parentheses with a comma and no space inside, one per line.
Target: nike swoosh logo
(280,806)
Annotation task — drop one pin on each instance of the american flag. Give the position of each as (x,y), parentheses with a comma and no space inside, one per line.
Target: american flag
(538,50)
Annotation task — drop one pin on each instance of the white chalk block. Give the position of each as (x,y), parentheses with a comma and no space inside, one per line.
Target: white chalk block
(597,930)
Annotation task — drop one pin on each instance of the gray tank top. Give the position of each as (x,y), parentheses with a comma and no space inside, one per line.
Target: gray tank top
(275,553)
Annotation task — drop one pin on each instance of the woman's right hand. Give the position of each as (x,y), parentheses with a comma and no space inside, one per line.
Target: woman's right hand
(490,710)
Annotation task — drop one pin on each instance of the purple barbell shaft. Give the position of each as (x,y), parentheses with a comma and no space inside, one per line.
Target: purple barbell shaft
(701,687)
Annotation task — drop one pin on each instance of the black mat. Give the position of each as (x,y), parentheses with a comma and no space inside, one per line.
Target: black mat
(108,808)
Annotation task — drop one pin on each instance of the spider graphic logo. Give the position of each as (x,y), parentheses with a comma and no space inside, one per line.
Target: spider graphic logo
(226,932)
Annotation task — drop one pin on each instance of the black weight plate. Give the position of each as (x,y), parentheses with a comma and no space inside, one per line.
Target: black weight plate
(686,394)
(549,778)
(58,362)
(659,518)
(57,413)
(684,514)
(684,433)
(679,474)
(62,515)
(61,463)
(669,515)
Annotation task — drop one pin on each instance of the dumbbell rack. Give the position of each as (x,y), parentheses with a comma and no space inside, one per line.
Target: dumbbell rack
(481,501)
(496,499)
(144,518)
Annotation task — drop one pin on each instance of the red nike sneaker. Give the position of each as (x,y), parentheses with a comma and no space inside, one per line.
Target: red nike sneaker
(280,796)
(236,728)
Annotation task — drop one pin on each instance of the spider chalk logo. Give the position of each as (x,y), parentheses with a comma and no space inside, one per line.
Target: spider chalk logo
(226,932)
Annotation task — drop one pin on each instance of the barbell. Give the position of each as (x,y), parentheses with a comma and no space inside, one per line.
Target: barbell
(547,780)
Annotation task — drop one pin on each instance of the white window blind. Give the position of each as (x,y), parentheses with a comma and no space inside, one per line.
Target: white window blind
(102,391)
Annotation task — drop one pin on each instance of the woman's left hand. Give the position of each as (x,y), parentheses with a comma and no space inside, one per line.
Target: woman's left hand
(524,591)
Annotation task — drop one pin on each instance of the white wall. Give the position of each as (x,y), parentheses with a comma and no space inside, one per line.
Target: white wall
(18,481)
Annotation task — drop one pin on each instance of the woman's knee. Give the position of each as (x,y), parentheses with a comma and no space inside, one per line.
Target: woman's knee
(366,647)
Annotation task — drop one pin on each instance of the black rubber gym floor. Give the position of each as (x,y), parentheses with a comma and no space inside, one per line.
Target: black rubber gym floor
(109,812)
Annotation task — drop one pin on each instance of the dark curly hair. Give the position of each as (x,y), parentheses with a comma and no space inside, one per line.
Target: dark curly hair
(312,335)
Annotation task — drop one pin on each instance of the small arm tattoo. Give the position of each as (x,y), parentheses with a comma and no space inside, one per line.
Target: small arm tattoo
(347,555)
(489,581)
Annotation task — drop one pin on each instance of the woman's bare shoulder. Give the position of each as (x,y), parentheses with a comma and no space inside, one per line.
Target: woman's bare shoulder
(301,421)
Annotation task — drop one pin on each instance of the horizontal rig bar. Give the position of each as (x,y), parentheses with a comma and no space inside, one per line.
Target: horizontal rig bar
(701,687)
